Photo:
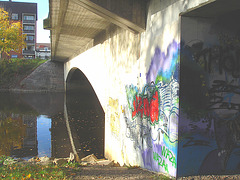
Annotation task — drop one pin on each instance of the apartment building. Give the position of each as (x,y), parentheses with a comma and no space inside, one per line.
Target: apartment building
(27,14)
(43,50)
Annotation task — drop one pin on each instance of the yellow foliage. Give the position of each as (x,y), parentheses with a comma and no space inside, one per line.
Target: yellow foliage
(11,37)
(12,132)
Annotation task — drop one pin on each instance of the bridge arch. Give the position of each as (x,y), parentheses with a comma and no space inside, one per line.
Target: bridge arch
(86,112)
(77,81)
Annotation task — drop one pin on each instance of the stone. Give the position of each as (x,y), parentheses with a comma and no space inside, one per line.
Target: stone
(90,159)
(105,163)
(31,160)
(60,162)
(44,160)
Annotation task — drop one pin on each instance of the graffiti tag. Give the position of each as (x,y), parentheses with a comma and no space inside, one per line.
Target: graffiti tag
(160,161)
(142,106)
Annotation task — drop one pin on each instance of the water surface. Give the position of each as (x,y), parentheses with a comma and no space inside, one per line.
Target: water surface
(50,124)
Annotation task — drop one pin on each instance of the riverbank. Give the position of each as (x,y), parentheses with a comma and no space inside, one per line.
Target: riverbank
(34,75)
(87,168)
(66,168)
(12,71)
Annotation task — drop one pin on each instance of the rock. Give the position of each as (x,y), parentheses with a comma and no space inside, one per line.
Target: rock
(105,163)
(31,160)
(44,160)
(83,164)
(60,162)
(92,159)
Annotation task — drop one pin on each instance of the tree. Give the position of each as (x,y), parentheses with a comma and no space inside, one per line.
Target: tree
(11,37)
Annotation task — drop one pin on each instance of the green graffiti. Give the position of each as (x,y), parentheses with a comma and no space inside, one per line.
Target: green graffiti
(169,155)
(160,161)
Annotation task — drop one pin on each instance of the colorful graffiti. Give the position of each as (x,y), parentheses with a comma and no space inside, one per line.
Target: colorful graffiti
(166,155)
(210,108)
(151,115)
(164,66)
(114,116)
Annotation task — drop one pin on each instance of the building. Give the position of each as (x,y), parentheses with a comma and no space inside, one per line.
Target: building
(27,14)
(43,50)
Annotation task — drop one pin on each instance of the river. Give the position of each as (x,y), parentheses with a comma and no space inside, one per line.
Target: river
(50,124)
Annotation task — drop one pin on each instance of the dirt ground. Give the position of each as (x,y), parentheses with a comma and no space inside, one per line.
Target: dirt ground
(104,172)
(119,173)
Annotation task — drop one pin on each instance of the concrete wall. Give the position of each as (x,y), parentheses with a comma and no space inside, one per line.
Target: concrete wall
(209,134)
(47,77)
(136,78)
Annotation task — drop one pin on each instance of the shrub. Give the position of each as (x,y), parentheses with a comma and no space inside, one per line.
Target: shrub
(11,69)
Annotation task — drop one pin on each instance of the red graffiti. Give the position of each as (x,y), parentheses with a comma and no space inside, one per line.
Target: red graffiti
(146,107)
(137,104)
(154,107)
(142,106)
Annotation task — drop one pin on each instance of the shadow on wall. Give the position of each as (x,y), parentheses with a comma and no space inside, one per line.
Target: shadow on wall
(122,45)
(210,95)
(89,118)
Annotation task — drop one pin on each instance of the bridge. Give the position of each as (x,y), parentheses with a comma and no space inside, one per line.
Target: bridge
(156,68)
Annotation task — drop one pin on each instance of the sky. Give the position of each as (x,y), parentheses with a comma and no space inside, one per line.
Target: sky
(43,8)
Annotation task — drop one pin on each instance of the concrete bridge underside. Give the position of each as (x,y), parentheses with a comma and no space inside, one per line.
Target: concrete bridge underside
(77,25)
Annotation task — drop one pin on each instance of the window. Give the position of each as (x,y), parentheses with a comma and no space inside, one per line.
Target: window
(30,48)
(28,17)
(28,27)
(30,38)
(14,56)
(14,16)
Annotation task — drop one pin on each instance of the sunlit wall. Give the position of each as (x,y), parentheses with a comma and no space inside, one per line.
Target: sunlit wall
(136,79)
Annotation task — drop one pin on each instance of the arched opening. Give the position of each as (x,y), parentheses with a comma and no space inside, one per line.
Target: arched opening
(85,114)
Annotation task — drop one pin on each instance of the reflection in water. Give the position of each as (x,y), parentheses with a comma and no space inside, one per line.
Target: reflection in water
(44,136)
(87,125)
(29,147)
(12,133)
(35,125)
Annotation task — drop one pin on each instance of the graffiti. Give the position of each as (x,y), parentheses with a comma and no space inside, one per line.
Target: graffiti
(160,161)
(114,116)
(150,110)
(160,158)
(151,114)
(169,155)
(221,96)
(210,81)
(224,57)
(156,103)
(163,66)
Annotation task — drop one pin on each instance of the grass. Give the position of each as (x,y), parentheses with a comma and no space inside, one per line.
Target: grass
(12,69)
(11,170)
(23,171)
(36,171)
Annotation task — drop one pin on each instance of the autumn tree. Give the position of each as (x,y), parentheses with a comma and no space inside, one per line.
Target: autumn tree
(11,37)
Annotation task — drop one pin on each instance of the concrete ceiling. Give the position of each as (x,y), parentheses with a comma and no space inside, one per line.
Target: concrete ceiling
(213,9)
(74,25)
(73,28)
